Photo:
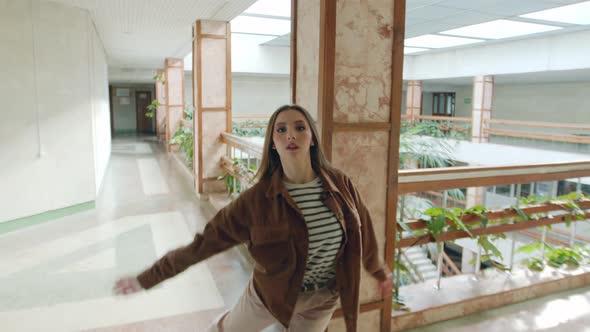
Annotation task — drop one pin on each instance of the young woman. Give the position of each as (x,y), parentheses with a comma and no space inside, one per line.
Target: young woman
(306,228)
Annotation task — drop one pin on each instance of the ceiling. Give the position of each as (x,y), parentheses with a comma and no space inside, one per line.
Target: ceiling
(433,16)
(140,34)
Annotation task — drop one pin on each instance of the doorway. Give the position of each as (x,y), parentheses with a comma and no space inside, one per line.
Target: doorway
(145,125)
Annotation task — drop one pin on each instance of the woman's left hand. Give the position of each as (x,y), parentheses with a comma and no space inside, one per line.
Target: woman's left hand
(386,285)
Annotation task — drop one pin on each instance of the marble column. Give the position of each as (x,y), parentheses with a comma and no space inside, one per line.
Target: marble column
(475,196)
(414,99)
(160,89)
(347,70)
(483,96)
(174,69)
(212,98)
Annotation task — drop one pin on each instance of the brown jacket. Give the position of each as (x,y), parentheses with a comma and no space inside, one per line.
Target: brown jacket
(268,220)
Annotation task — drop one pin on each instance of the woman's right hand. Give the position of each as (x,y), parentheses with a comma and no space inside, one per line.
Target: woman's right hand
(126,286)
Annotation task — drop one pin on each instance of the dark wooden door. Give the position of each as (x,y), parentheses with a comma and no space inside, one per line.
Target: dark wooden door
(145,125)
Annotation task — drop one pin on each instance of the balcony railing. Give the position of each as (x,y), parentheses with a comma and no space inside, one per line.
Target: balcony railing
(489,216)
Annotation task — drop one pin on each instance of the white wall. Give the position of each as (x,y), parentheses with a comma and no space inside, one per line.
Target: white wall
(100,106)
(48,126)
(248,56)
(253,94)
(259,95)
(557,102)
(556,52)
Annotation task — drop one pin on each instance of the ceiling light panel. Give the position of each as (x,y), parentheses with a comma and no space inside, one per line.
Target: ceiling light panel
(259,25)
(574,14)
(271,7)
(412,50)
(436,41)
(500,29)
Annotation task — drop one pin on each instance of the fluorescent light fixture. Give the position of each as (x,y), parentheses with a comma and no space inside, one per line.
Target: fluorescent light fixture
(260,25)
(500,29)
(436,41)
(412,50)
(271,8)
(578,13)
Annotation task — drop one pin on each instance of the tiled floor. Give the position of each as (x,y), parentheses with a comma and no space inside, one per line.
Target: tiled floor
(58,276)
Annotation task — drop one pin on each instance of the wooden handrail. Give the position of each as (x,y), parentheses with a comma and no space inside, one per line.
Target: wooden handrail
(234,170)
(540,136)
(435,179)
(242,144)
(444,118)
(501,214)
(496,229)
(246,116)
(568,126)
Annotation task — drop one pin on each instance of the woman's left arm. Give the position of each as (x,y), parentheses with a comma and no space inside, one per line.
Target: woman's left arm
(371,256)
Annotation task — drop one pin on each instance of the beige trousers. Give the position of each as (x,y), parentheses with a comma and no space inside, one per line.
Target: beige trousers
(313,312)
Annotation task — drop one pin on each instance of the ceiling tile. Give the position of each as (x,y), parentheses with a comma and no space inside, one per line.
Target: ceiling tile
(515,8)
(432,13)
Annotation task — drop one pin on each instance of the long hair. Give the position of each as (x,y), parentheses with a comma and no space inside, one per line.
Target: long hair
(270,157)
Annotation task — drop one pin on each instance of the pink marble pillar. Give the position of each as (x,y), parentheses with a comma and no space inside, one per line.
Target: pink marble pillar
(414,99)
(212,94)
(174,69)
(483,96)
(475,196)
(160,89)
(348,73)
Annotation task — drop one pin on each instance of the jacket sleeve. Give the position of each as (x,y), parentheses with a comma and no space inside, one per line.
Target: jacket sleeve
(371,256)
(224,231)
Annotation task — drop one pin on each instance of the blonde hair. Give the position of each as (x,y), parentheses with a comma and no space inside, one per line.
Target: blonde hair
(270,157)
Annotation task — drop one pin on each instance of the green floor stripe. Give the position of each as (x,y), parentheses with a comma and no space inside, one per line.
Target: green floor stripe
(16,224)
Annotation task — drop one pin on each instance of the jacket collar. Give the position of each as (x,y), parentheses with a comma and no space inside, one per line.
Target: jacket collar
(276,185)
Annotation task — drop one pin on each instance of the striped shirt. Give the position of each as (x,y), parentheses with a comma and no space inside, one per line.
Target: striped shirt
(325,231)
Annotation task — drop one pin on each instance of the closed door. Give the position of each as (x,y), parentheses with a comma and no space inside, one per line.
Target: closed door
(145,125)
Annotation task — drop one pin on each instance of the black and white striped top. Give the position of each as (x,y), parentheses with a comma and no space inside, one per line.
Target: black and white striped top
(325,231)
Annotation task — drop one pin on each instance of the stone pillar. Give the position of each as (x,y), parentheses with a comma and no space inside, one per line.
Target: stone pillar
(483,96)
(174,69)
(160,89)
(212,93)
(475,196)
(347,71)
(414,99)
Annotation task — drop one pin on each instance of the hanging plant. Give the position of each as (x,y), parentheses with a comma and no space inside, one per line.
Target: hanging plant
(152,108)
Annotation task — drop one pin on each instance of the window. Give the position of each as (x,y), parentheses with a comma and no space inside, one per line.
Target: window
(443,104)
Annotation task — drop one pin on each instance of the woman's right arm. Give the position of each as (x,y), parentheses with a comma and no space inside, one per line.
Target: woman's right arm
(227,229)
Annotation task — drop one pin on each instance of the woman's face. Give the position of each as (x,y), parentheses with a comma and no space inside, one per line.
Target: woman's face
(291,135)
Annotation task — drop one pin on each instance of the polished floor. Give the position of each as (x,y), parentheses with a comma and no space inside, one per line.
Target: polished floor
(58,276)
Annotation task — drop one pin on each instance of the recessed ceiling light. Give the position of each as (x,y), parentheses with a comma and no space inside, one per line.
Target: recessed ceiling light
(436,41)
(500,29)
(411,50)
(260,25)
(578,13)
(270,7)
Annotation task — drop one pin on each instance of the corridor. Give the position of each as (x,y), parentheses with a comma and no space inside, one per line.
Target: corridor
(58,275)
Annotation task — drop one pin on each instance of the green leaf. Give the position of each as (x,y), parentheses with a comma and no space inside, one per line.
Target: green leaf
(436,226)
(534,264)
(522,215)
(434,211)
(529,248)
